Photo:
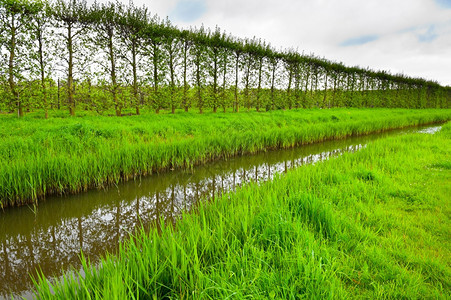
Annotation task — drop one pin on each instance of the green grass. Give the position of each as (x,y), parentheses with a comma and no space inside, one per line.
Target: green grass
(39,157)
(373,224)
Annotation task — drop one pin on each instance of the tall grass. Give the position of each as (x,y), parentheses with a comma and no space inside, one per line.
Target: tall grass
(66,155)
(374,224)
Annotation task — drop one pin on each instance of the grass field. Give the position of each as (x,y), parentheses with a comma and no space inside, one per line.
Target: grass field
(373,224)
(39,157)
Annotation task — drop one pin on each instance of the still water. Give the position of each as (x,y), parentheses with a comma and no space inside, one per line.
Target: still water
(49,237)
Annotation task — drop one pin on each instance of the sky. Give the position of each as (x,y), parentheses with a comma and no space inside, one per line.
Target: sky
(412,37)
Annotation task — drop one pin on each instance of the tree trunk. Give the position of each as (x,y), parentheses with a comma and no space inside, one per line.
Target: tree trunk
(307,77)
(257,106)
(172,71)
(41,66)
(273,78)
(296,87)
(224,75)
(59,86)
(325,93)
(198,81)
(135,77)
(246,90)
(12,84)
(290,79)
(334,91)
(236,82)
(117,105)
(70,79)
(185,83)
(215,80)
(155,78)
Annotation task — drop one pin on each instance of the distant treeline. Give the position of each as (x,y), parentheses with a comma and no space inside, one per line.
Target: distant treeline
(57,54)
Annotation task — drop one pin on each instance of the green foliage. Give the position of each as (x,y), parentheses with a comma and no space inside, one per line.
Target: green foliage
(129,47)
(373,224)
(67,155)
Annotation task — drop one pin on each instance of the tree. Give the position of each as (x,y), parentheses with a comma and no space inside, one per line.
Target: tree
(40,28)
(237,48)
(69,16)
(186,38)
(141,53)
(290,63)
(297,80)
(198,53)
(215,41)
(274,60)
(226,63)
(261,57)
(153,40)
(171,45)
(15,19)
(249,56)
(103,18)
(131,21)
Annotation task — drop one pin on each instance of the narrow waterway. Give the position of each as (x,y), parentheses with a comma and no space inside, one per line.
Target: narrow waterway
(49,237)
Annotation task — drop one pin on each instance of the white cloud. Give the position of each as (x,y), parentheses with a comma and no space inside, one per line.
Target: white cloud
(408,36)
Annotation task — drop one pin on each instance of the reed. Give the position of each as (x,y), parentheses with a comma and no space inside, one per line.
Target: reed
(373,224)
(61,155)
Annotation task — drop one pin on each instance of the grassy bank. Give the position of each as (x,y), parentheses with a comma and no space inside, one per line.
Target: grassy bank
(374,224)
(40,157)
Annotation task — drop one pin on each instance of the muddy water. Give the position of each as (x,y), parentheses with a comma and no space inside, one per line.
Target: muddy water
(50,236)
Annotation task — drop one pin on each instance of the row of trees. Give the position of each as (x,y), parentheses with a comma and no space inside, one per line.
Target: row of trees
(65,53)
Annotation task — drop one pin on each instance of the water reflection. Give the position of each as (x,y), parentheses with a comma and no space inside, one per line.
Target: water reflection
(50,236)
(430,130)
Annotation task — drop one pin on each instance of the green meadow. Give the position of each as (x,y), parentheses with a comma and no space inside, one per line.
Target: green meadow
(59,155)
(371,224)
(94,94)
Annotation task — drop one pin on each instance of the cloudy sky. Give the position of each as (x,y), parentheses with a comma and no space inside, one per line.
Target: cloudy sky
(402,36)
